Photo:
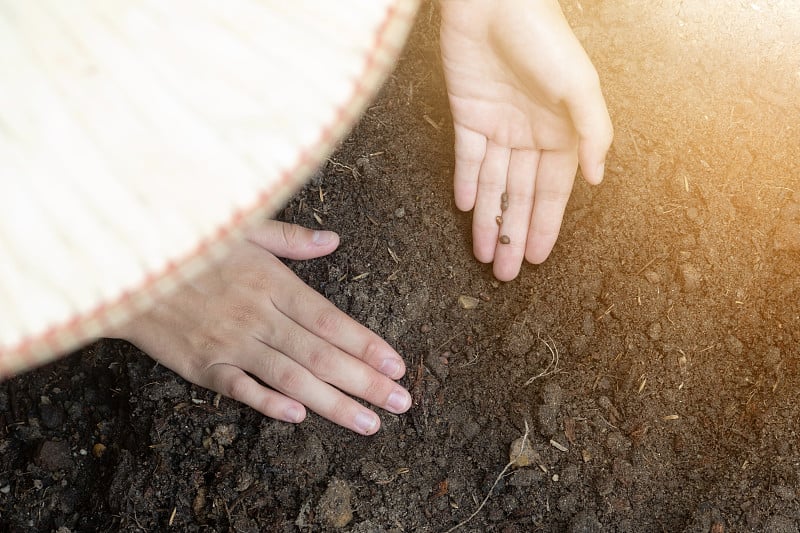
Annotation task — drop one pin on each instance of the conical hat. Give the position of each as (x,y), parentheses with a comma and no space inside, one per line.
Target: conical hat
(138,137)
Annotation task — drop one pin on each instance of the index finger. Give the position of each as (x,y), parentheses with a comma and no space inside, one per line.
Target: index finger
(315,313)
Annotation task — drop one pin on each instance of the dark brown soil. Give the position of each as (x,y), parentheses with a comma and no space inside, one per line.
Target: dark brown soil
(664,329)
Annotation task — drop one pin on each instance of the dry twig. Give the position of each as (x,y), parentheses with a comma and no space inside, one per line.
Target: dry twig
(551,346)
(496,481)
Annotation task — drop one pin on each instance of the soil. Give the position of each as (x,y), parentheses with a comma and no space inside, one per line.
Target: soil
(653,359)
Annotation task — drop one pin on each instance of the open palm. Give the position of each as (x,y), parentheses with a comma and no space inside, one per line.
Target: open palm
(527,109)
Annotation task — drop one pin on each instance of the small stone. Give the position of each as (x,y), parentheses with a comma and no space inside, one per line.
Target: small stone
(692,213)
(53,455)
(654,331)
(734,345)
(362,164)
(690,276)
(468,302)
(334,508)
(553,394)
(652,277)
(317,178)
(425,328)
(98,450)
(400,212)
(522,453)
(244,480)
(547,417)
(5,489)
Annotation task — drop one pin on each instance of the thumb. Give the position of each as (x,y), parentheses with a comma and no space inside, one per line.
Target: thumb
(595,133)
(292,241)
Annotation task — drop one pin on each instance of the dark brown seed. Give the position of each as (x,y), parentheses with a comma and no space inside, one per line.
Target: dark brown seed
(504,201)
(504,239)
(499,220)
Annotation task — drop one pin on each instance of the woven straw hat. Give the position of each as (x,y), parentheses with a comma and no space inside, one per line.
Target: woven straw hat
(138,137)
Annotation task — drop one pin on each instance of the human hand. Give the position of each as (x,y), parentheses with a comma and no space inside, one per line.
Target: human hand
(250,318)
(527,108)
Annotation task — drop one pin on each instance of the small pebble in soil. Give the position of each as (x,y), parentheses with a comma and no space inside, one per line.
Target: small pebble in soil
(98,450)
(654,331)
(53,455)
(522,453)
(552,394)
(690,277)
(334,508)
(652,277)
(400,212)
(504,239)
(547,417)
(425,328)
(468,302)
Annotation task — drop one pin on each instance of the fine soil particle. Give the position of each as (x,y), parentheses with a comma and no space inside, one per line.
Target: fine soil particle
(670,308)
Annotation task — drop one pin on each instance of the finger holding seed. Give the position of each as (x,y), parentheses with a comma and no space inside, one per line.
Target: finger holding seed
(518,197)
(491,186)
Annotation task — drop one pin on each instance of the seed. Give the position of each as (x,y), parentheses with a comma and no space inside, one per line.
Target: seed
(504,201)
(504,239)
(499,220)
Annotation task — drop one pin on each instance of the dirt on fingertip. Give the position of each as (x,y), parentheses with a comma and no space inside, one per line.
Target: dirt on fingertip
(653,358)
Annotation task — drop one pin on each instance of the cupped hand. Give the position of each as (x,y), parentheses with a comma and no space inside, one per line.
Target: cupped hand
(527,109)
(251,330)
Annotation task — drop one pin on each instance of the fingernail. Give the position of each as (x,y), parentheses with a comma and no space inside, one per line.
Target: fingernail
(366,422)
(398,402)
(321,238)
(601,168)
(390,367)
(294,415)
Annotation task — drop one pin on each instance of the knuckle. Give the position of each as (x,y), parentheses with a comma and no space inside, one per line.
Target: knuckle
(290,233)
(321,361)
(375,389)
(290,381)
(236,387)
(372,351)
(328,322)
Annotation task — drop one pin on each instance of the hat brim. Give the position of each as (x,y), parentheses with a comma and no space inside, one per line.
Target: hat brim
(138,138)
